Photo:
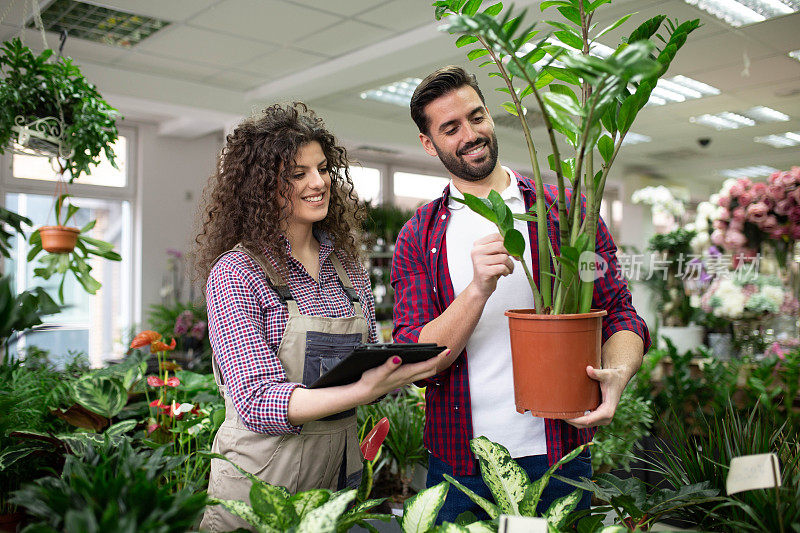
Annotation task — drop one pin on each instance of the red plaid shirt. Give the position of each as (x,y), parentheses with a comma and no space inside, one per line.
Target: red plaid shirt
(423,290)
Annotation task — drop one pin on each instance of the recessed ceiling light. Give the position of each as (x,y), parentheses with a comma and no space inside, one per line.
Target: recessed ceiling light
(748,172)
(398,93)
(780,140)
(761,113)
(723,121)
(632,138)
(100,24)
(795,54)
(742,12)
(679,89)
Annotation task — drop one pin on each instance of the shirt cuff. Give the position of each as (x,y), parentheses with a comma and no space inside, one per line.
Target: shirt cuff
(280,393)
(636,325)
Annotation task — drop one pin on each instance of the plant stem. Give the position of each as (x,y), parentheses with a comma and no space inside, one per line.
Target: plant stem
(540,299)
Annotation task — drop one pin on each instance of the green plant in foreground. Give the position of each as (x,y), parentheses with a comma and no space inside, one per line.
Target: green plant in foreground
(273,509)
(111,488)
(75,261)
(611,91)
(614,443)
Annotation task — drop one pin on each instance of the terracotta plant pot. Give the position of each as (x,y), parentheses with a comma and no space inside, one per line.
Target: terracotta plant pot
(550,354)
(59,239)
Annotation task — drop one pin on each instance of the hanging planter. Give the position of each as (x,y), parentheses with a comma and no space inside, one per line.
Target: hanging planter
(49,109)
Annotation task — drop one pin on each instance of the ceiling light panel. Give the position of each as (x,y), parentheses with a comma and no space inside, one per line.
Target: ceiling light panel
(632,138)
(743,12)
(99,24)
(780,140)
(679,89)
(398,93)
(748,172)
(724,121)
(762,113)
(795,54)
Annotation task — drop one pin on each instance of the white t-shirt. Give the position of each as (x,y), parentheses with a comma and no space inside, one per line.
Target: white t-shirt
(491,379)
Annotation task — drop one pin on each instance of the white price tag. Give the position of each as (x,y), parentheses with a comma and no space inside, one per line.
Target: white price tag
(521,524)
(750,472)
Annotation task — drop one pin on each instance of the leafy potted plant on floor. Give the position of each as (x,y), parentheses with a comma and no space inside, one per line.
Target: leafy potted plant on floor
(611,89)
(49,109)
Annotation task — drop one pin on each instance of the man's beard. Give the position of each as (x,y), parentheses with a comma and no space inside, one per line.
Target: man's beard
(466,171)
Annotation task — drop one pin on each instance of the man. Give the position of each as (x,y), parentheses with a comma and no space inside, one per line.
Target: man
(453,279)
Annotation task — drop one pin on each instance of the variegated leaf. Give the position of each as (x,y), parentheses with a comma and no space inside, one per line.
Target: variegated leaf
(305,502)
(560,509)
(448,527)
(419,512)
(533,493)
(323,519)
(245,512)
(480,527)
(485,504)
(504,477)
(272,504)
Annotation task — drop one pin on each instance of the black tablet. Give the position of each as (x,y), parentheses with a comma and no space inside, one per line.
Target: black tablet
(367,356)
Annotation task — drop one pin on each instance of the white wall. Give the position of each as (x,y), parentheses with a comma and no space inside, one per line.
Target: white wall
(172,174)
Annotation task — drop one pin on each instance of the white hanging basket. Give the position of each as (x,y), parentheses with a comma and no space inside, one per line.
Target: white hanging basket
(43,137)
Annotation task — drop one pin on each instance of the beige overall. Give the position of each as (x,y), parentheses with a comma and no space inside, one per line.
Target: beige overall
(325,454)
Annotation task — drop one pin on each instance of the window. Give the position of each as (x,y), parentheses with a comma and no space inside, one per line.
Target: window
(411,190)
(367,182)
(94,324)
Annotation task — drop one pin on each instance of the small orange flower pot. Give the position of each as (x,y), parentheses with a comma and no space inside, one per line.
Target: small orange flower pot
(550,354)
(59,239)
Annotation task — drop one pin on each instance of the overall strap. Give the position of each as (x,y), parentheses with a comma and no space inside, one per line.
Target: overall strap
(347,285)
(274,279)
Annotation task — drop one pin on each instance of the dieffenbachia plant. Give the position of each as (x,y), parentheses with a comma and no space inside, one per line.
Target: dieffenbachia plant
(591,101)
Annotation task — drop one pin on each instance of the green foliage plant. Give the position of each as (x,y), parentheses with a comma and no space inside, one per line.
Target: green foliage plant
(273,509)
(687,460)
(591,102)
(112,487)
(76,261)
(403,446)
(36,87)
(513,491)
(614,443)
(21,312)
(671,301)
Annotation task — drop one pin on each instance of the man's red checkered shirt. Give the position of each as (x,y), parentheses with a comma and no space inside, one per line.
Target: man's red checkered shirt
(423,290)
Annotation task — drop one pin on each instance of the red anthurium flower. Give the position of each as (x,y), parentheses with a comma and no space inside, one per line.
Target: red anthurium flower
(155,381)
(172,382)
(159,346)
(144,338)
(372,442)
(152,425)
(159,404)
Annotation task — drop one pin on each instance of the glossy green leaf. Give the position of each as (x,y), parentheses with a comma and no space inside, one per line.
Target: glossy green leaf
(272,504)
(615,25)
(482,206)
(102,395)
(324,518)
(494,9)
(558,512)
(464,40)
(307,501)
(483,503)
(504,477)
(572,14)
(501,211)
(569,38)
(606,147)
(475,54)
(514,242)
(563,102)
(420,511)
(510,107)
(471,7)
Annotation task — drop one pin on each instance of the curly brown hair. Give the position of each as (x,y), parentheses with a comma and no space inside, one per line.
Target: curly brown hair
(242,201)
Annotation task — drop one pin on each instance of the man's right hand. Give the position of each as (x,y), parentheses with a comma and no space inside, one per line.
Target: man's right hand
(490,260)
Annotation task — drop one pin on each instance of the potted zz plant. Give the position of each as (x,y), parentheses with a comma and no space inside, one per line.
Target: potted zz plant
(591,101)
(48,108)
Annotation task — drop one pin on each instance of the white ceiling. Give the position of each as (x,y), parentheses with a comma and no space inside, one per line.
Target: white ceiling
(219,60)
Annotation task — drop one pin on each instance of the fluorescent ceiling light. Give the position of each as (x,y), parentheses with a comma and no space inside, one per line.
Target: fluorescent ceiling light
(635,138)
(398,93)
(780,140)
(761,113)
(724,121)
(795,54)
(748,172)
(679,89)
(742,12)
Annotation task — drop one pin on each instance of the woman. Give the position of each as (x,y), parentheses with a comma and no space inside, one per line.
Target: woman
(287,299)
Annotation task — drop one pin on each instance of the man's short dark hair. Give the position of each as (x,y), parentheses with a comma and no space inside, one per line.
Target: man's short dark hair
(436,84)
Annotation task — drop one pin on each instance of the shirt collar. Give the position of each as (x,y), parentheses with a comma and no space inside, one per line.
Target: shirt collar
(512,192)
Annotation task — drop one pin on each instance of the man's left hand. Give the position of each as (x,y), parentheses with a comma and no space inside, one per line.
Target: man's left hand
(612,383)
